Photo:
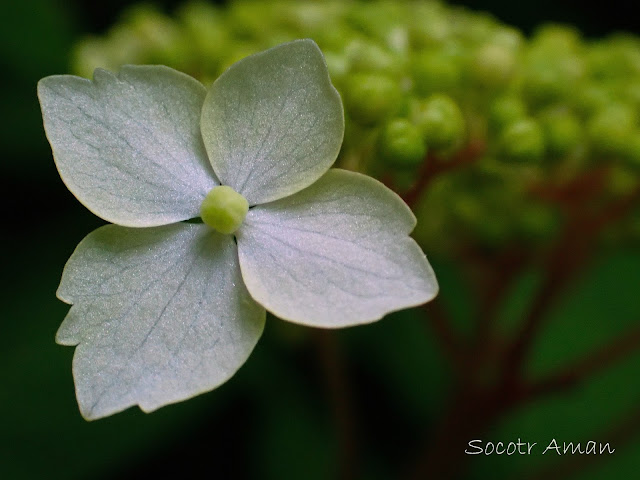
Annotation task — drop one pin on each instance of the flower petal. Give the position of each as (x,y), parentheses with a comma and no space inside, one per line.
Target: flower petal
(336,254)
(129,146)
(273,122)
(159,315)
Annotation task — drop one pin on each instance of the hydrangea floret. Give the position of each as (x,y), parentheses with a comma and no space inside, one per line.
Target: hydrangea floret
(165,307)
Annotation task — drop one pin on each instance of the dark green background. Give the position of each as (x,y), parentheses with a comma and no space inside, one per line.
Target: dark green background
(274,419)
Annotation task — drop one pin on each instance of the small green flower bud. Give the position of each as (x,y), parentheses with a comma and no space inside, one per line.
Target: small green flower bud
(338,66)
(368,57)
(428,25)
(617,57)
(400,143)
(435,72)
(440,120)
(334,38)
(550,75)
(505,111)
(522,141)
(591,97)
(224,209)
(90,53)
(557,37)
(160,36)
(542,84)
(204,26)
(474,27)
(306,16)
(611,129)
(493,65)
(245,20)
(508,37)
(235,53)
(123,45)
(562,131)
(374,19)
(371,97)
(627,47)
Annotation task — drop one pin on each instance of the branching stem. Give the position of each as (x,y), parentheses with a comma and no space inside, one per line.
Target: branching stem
(478,403)
(433,166)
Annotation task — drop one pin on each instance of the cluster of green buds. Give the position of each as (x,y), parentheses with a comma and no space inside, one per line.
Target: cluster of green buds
(424,83)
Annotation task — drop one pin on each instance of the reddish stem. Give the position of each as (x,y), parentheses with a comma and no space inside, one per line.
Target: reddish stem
(564,261)
(500,275)
(477,404)
(433,166)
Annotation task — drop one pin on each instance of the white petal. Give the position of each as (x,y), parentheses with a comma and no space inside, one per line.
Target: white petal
(335,254)
(273,123)
(159,315)
(129,146)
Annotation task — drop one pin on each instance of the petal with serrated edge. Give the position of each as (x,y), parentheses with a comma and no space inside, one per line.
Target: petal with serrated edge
(159,315)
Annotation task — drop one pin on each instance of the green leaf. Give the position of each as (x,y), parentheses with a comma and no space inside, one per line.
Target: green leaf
(129,146)
(336,254)
(273,122)
(159,315)
(600,308)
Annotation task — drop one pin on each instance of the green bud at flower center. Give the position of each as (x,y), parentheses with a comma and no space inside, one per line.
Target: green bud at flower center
(224,209)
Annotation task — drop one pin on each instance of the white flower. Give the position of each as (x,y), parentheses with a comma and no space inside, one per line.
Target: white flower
(163,313)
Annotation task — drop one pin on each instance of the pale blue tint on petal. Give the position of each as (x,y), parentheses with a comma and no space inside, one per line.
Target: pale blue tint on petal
(273,123)
(159,315)
(335,254)
(128,146)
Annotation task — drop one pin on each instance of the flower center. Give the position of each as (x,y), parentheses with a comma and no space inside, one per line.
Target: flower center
(224,209)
